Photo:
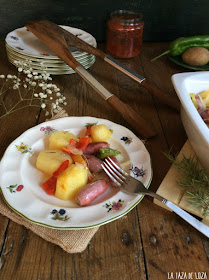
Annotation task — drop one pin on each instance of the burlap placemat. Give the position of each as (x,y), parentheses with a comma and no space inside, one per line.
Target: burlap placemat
(72,241)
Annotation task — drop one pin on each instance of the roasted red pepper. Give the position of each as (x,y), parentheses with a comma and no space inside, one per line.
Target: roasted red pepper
(62,167)
(50,185)
(75,146)
(82,144)
(88,130)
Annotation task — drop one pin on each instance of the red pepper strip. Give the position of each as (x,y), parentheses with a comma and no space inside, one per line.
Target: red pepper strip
(73,142)
(82,144)
(65,149)
(62,167)
(50,185)
(88,131)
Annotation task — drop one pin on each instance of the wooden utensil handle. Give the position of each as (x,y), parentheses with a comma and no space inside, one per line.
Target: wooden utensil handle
(161,95)
(53,39)
(134,119)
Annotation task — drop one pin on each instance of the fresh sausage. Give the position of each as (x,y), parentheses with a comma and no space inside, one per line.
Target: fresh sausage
(91,191)
(93,148)
(94,163)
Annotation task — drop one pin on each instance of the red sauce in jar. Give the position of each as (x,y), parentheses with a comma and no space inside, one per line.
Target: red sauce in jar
(124,34)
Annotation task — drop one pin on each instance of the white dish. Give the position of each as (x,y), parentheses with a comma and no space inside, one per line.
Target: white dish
(46,61)
(17,170)
(196,129)
(25,42)
(22,45)
(53,68)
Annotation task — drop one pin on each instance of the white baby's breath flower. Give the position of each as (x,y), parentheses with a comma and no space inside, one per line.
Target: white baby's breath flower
(15,86)
(27,72)
(43,105)
(49,91)
(26,82)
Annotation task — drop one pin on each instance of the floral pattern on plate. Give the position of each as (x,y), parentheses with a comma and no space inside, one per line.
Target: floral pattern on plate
(23,148)
(15,188)
(47,129)
(59,215)
(114,205)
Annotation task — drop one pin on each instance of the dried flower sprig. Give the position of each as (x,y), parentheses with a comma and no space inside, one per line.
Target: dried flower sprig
(195,181)
(33,90)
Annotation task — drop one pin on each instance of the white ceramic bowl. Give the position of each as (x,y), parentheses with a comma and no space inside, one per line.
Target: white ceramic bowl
(196,129)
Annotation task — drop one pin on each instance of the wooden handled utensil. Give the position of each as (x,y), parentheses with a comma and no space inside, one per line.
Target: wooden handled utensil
(76,42)
(51,36)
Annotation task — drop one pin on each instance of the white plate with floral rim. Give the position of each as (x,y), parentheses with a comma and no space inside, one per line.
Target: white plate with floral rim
(20,181)
(54,70)
(45,61)
(25,42)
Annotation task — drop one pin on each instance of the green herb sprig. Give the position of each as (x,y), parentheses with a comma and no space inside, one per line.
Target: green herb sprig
(195,181)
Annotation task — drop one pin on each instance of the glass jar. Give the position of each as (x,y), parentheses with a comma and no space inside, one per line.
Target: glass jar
(124,34)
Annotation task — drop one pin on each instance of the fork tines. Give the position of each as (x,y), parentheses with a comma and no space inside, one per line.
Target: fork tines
(116,174)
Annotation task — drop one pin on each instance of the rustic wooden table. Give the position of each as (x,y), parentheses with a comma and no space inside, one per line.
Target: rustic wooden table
(149,242)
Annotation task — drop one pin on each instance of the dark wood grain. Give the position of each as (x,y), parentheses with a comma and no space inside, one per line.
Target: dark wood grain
(149,241)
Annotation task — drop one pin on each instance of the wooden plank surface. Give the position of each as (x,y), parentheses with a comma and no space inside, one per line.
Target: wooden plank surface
(149,242)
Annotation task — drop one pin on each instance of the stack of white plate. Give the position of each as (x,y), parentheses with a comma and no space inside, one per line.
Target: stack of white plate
(22,45)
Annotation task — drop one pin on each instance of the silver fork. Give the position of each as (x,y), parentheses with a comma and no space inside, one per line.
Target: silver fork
(132,186)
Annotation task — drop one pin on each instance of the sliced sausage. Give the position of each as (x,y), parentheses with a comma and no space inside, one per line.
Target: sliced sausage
(94,163)
(93,148)
(91,191)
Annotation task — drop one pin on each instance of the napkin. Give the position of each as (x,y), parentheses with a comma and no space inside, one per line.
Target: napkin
(72,241)
(170,189)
